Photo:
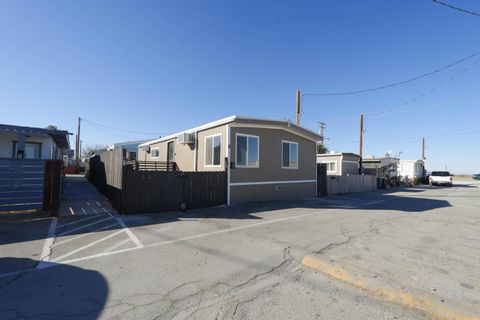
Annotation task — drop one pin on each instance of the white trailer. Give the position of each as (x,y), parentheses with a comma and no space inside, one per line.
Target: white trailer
(411,169)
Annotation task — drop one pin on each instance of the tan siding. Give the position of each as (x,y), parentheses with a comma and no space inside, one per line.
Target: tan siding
(184,154)
(270,152)
(242,194)
(222,130)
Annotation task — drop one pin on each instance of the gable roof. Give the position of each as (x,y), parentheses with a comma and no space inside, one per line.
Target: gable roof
(267,123)
(60,137)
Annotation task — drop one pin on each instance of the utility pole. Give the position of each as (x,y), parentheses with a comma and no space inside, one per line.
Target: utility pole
(361,144)
(423,149)
(322,128)
(298,107)
(77,145)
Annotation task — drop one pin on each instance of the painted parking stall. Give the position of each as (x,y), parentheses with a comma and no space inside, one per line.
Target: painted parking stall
(90,235)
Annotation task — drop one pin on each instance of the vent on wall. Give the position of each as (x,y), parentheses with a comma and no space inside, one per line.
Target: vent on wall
(186,138)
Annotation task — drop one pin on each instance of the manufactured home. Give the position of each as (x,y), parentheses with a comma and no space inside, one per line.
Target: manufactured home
(339,164)
(411,169)
(264,159)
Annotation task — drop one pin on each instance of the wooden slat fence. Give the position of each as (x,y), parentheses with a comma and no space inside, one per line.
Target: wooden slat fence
(30,184)
(146,187)
(21,184)
(153,165)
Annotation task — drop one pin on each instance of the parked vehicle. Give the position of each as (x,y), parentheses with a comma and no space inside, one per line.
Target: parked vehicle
(440,178)
(476,176)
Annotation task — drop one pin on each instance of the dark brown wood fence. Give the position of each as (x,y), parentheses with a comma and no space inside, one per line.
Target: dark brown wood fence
(321,179)
(52,189)
(153,165)
(155,188)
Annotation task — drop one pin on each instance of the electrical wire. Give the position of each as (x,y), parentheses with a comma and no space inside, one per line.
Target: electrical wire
(107,132)
(118,129)
(408,105)
(395,84)
(448,5)
(413,138)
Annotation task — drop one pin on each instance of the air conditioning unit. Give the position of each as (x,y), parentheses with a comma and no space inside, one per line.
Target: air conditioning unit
(186,138)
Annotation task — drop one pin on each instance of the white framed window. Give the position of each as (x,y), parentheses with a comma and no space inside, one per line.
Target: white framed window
(289,155)
(213,147)
(247,151)
(155,153)
(33,150)
(331,166)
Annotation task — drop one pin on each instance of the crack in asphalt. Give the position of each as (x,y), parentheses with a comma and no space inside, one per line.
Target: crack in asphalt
(197,296)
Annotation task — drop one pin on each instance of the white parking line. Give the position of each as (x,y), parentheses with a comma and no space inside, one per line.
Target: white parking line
(71,211)
(130,233)
(202,235)
(47,245)
(87,246)
(85,234)
(252,225)
(84,212)
(107,212)
(75,222)
(117,245)
(82,227)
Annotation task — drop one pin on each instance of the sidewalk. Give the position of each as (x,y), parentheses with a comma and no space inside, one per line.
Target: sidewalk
(82,198)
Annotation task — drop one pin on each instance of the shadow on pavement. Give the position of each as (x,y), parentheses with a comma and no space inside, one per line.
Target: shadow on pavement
(383,200)
(58,292)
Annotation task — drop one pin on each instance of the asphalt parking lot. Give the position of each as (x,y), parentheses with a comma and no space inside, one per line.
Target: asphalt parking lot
(401,254)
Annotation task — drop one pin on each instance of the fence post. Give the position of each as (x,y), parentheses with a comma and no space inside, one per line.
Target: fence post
(52,190)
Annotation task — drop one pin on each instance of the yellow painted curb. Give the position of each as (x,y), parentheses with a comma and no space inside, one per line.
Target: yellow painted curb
(420,302)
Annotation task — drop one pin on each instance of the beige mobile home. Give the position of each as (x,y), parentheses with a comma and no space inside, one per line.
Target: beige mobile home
(267,159)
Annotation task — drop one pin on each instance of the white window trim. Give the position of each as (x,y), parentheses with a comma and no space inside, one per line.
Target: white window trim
(236,151)
(156,148)
(289,152)
(327,162)
(205,153)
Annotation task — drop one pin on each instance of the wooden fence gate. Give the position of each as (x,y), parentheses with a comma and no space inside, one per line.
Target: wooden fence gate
(321,179)
(30,184)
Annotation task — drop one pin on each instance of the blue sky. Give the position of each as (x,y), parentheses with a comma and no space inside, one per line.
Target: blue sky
(164,66)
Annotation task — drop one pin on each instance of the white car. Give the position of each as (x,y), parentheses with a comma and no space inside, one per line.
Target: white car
(440,178)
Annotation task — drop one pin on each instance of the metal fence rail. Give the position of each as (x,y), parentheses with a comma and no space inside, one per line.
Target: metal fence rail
(152,165)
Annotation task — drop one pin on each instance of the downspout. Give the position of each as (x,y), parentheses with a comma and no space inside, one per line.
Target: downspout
(195,162)
(227,169)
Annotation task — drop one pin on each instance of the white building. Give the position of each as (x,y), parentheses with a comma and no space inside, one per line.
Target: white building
(411,169)
(18,142)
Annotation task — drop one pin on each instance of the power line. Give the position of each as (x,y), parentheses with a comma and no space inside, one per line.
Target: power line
(395,84)
(108,132)
(414,138)
(448,5)
(118,129)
